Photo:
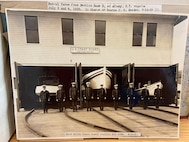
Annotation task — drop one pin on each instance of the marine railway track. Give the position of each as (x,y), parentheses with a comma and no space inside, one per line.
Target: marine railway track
(107,115)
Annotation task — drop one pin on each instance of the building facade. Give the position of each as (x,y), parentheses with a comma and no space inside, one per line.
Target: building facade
(55,38)
(143,39)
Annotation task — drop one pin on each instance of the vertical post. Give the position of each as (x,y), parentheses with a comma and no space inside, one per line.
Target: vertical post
(176,81)
(133,73)
(80,85)
(115,78)
(149,82)
(16,85)
(75,76)
(104,73)
(129,73)
(139,85)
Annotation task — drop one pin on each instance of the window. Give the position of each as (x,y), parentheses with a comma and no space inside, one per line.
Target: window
(100,32)
(31,24)
(151,34)
(67,31)
(137,33)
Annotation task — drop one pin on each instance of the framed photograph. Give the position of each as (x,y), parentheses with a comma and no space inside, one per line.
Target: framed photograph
(96,70)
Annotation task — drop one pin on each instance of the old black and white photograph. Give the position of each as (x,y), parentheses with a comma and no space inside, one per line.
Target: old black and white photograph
(96,70)
(88,102)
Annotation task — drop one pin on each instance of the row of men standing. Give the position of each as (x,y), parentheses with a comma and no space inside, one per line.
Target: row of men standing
(144,96)
(133,98)
(88,96)
(45,95)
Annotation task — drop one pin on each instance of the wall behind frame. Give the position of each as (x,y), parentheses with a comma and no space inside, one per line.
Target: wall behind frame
(6,102)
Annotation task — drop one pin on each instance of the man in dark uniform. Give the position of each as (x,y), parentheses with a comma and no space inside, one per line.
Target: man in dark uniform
(44,96)
(157,93)
(88,96)
(60,96)
(101,96)
(145,95)
(115,96)
(73,95)
(130,94)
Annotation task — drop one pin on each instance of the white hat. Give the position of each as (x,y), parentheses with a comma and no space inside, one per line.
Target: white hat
(60,85)
(145,85)
(87,82)
(73,83)
(116,85)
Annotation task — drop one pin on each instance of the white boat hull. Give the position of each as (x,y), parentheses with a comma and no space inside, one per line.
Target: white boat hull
(99,77)
(52,89)
(151,88)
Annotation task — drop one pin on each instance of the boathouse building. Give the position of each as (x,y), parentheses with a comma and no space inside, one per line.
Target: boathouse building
(63,38)
(52,42)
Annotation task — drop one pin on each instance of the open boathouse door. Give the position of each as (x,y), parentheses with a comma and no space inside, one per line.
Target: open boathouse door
(16,85)
(172,82)
(80,85)
(128,76)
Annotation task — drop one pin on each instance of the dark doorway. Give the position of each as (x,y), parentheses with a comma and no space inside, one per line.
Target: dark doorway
(29,78)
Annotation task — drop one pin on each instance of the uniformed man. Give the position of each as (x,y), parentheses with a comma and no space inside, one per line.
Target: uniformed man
(130,94)
(73,95)
(157,93)
(145,96)
(61,97)
(115,96)
(101,96)
(44,96)
(88,96)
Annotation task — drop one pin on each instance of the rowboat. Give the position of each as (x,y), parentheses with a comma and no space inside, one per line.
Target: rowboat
(151,87)
(51,83)
(98,77)
(51,88)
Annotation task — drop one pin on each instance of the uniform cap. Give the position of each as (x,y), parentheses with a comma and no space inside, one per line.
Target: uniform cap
(87,82)
(60,85)
(116,85)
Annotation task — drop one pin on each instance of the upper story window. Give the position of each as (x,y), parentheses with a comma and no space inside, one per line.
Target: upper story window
(100,32)
(31,24)
(67,31)
(151,34)
(137,33)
